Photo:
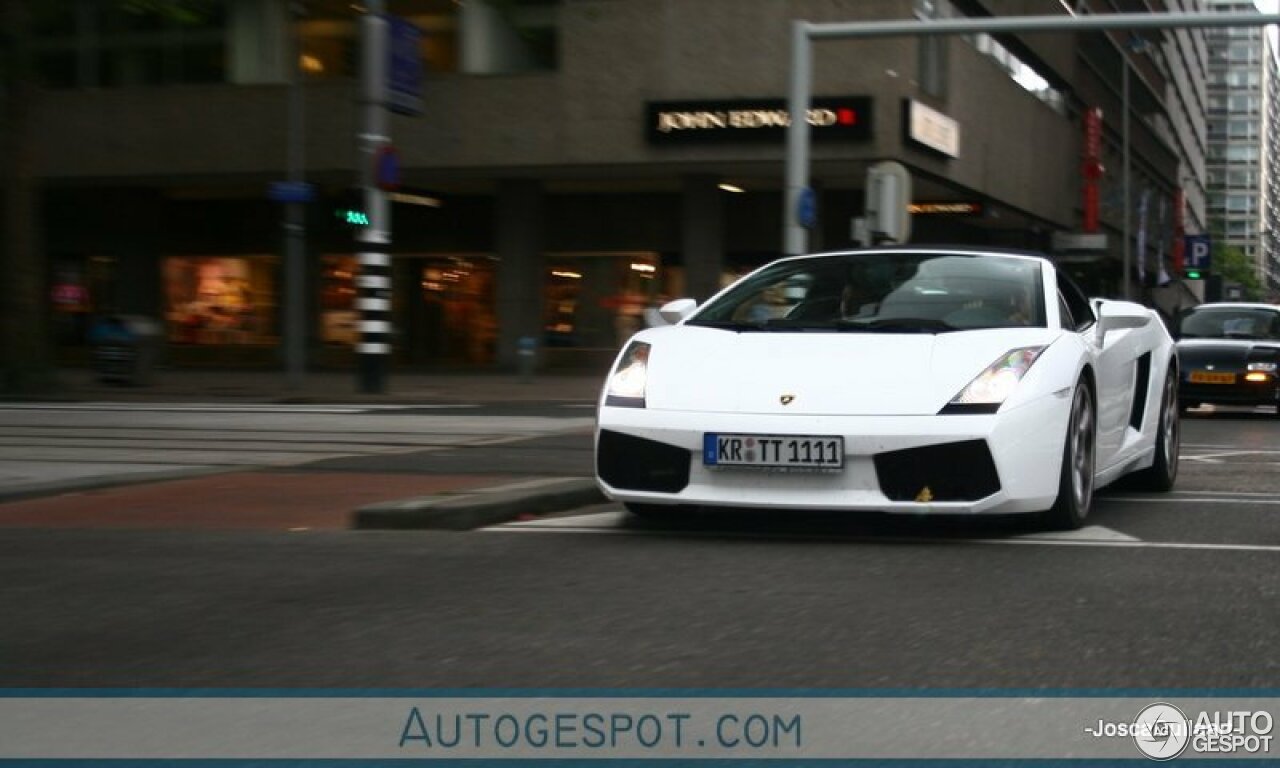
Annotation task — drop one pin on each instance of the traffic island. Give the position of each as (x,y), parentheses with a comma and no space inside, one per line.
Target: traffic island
(481,507)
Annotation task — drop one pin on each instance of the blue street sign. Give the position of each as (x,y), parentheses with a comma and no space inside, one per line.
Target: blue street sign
(404,73)
(807,208)
(1198,253)
(291,192)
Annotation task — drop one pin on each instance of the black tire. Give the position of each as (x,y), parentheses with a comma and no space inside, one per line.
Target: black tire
(1076,476)
(1163,472)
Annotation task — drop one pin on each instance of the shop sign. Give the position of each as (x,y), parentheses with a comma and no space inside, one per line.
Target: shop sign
(928,128)
(845,118)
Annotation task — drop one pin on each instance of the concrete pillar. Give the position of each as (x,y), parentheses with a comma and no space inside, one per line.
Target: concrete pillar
(258,41)
(489,43)
(702,235)
(518,242)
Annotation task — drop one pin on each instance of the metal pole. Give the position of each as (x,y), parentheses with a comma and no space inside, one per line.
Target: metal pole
(373,294)
(295,223)
(1124,140)
(795,238)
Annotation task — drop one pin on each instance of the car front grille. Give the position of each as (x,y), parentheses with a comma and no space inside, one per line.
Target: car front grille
(961,471)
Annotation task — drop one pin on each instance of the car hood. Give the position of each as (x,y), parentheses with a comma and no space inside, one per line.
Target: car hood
(702,369)
(1226,354)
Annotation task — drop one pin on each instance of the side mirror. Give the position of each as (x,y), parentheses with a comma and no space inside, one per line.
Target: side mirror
(675,311)
(1118,315)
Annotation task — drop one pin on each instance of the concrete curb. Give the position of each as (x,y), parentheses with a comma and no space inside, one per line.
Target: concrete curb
(481,507)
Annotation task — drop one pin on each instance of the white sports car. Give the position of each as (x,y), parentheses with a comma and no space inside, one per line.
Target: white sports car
(905,379)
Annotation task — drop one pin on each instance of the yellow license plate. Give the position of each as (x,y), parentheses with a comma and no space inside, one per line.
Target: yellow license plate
(1209,377)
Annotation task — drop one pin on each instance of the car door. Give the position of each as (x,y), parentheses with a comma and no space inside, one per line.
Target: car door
(1112,359)
(1117,375)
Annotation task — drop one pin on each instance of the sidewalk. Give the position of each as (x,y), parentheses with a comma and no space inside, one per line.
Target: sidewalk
(484,486)
(194,385)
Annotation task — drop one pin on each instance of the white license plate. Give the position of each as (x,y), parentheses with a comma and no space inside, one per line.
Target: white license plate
(822,452)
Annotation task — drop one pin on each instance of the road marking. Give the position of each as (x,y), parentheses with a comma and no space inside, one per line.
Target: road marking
(1273,501)
(227,407)
(1140,545)
(1092,536)
(1229,454)
(1089,533)
(1266,495)
(605,521)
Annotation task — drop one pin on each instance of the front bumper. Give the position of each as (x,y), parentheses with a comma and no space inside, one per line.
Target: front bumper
(1242,392)
(1025,446)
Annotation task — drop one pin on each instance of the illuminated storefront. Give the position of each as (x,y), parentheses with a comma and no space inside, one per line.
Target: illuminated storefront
(220,300)
(597,300)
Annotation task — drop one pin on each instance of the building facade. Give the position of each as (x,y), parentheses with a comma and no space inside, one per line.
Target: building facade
(576,161)
(1243,135)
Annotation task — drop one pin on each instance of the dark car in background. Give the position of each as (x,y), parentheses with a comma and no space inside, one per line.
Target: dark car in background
(1229,354)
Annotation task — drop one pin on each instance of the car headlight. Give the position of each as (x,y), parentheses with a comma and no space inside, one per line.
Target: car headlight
(1265,367)
(627,382)
(994,385)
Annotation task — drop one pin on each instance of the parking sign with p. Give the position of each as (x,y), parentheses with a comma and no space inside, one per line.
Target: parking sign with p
(1197,258)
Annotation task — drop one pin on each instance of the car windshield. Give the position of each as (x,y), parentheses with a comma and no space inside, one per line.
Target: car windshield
(1230,323)
(883,292)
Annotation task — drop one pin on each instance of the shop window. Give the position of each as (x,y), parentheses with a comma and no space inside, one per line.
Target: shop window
(452,313)
(330,47)
(218,300)
(596,301)
(339,321)
(72,298)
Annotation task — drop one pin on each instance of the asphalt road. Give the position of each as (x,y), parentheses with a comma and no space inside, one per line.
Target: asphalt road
(1177,590)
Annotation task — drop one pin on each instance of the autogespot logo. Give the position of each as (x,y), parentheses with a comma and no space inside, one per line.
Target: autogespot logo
(1161,731)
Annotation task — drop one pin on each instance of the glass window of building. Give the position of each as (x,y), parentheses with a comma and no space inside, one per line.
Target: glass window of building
(86,43)
(1242,53)
(1242,153)
(1244,104)
(1246,179)
(598,300)
(1240,228)
(217,300)
(1239,203)
(1242,129)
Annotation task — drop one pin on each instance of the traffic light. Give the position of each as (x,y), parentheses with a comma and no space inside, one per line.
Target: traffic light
(352,216)
(1192,274)
(348,208)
